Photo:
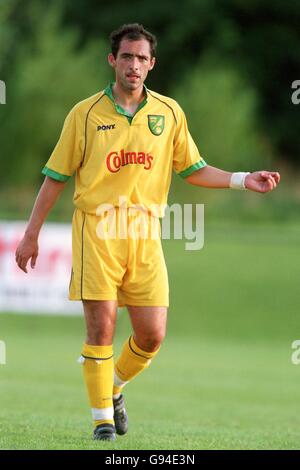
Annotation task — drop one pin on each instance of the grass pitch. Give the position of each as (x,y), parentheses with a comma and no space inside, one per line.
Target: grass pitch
(222,380)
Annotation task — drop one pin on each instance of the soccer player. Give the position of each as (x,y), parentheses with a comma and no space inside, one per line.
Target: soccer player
(122,144)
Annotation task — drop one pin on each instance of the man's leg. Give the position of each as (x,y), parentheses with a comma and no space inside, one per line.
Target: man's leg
(149,326)
(97,358)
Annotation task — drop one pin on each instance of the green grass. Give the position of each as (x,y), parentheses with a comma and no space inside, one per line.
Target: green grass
(222,380)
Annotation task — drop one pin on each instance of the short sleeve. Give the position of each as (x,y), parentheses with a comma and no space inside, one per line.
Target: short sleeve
(67,154)
(186,157)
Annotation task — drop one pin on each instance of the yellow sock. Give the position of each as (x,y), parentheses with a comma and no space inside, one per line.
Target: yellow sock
(131,362)
(98,375)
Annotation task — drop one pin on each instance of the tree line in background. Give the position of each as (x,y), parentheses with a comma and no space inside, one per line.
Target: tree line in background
(230,64)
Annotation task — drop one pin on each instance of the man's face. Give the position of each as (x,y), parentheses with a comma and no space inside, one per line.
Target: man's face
(132,63)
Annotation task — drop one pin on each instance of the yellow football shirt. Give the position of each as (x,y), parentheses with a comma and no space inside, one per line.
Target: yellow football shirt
(120,157)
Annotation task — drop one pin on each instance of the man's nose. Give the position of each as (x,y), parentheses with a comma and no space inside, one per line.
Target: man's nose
(135,63)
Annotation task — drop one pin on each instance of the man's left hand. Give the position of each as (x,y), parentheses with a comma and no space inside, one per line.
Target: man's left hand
(262,181)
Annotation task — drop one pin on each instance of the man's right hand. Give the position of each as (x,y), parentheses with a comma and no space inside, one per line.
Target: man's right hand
(27,248)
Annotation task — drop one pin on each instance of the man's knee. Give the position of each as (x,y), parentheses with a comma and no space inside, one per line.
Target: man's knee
(150,342)
(100,322)
(100,334)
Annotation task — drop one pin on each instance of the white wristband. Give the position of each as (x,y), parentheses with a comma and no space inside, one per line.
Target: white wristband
(237,180)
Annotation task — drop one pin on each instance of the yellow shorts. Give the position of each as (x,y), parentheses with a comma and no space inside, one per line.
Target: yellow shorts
(129,268)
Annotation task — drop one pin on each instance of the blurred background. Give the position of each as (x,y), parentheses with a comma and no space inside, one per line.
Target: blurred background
(235,304)
(236,58)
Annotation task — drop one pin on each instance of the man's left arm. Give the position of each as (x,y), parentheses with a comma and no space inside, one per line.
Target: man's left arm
(211,177)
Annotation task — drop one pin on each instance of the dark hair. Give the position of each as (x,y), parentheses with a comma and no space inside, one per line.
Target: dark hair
(132,32)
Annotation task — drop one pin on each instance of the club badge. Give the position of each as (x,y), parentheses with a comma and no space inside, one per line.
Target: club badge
(156,123)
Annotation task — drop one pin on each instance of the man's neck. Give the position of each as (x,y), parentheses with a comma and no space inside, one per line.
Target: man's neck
(128,99)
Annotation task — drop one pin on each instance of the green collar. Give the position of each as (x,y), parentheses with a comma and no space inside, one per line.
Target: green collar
(119,109)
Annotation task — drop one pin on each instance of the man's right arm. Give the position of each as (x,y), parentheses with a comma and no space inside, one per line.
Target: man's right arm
(28,246)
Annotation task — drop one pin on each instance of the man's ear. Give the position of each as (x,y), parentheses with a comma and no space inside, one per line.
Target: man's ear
(111,60)
(152,63)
